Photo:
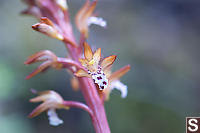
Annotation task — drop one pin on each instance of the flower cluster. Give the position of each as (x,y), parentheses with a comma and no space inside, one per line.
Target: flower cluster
(54,22)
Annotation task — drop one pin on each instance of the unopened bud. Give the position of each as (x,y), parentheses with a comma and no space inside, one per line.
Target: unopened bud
(48,30)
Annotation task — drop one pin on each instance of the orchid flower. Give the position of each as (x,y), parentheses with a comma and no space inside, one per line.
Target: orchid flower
(92,74)
(49,59)
(85,17)
(95,68)
(52,101)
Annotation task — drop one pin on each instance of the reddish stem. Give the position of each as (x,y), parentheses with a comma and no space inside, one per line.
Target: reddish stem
(95,104)
(78,105)
(89,91)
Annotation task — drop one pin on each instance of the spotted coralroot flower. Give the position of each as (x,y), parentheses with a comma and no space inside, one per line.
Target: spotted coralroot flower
(54,21)
(49,59)
(95,68)
(115,83)
(51,101)
(85,17)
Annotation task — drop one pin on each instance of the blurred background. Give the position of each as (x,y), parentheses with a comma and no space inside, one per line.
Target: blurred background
(160,39)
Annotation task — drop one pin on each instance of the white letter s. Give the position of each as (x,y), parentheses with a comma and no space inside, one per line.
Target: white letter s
(192,122)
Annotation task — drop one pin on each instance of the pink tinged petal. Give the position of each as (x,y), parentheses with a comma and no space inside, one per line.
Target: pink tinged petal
(32,10)
(41,56)
(108,61)
(90,10)
(39,109)
(40,98)
(48,30)
(69,63)
(119,73)
(41,68)
(119,86)
(88,52)
(96,21)
(81,73)
(79,16)
(47,21)
(54,120)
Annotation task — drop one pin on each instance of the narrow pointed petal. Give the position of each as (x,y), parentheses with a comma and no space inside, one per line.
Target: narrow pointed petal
(41,56)
(81,13)
(38,110)
(97,55)
(119,73)
(86,16)
(87,52)
(67,62)
(45,95)
(90,10)
(46,21)
(41,68)
(79,16)
(32,10)
(38,99)
(108,61)
(81,73)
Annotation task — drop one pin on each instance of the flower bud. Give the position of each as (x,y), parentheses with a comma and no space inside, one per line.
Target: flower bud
(48,30)
(47,27)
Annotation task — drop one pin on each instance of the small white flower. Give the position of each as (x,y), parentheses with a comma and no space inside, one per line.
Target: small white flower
(97,21)
(119,86)
(54,120)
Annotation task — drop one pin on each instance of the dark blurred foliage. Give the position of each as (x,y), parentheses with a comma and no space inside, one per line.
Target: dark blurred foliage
(160,39)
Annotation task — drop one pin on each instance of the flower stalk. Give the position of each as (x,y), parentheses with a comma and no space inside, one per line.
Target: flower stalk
(92,74)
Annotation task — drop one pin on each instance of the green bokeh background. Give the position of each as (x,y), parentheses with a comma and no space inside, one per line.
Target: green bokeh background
(160,39)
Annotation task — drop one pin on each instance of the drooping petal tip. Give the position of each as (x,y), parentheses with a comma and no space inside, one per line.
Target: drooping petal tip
(97,21)
(121,87)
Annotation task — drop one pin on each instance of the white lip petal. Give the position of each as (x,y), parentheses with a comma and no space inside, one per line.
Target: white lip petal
(98,21)
(54,120)
(100,78)
(121,87)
